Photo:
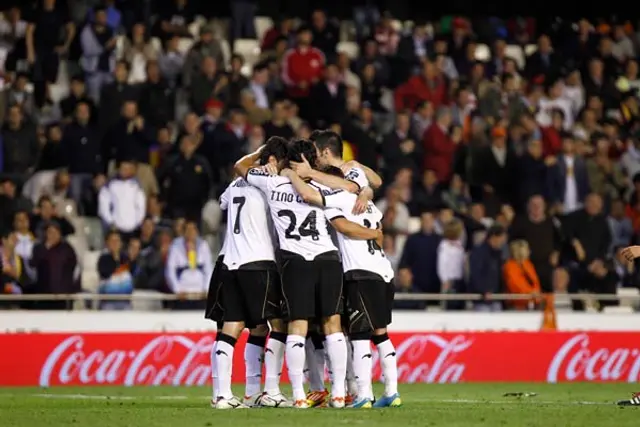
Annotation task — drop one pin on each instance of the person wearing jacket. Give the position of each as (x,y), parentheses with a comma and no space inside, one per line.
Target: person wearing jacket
(20,146)
(122,202)
(520,276)
(115,274)
(98,52)
(189,267)
(428,86)
(440,146)
(485,268)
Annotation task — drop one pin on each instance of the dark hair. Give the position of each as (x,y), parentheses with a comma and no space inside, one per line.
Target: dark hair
(333,170)
(299,147)
(44,199)
(275,146)
(327,139)
(496,231)
(111,233)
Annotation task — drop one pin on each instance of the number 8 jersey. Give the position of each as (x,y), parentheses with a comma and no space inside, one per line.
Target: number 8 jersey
(362,255)
(301,228)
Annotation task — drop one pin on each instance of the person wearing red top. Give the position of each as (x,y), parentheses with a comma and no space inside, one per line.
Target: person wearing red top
(283,29)
(552,135)
(428,86)
(302,66)
(439,146)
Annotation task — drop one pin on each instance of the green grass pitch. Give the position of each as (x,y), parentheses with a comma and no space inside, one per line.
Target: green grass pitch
(448,405)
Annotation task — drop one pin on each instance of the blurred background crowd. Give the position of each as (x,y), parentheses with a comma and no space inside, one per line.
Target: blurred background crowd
(509,148)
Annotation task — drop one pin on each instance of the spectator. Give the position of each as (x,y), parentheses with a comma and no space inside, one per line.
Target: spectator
(423,117)
(419,257)
(328,99)
(428,195)
(237,81)
(11,201)
(208,46)
(456,197)
(45,214)
(396,213)
(485,269)
(174,20)
(56,266)
(544,61)
(82,150)
(567,181)
(552,102)
(121,202)
(590,236)
(13,278)
(404,285)
(621,227)
(25,241)
(390,248)
(281,30)
(157,98)
(20,147)
(231,140)
(371,56)
(451,260)
(543,237)
(171,61)
(440,145)
(13,30)
(325,34)
(187,182)
(371,90)
(255,115)
(605,175)
(387,36)
(19,95)
(243,14)
(258,86)
(114,95)
(152,264)
(430,86)
(189,267)
(115,276)
(497,167)
(89,201)
(399,147)
(77,95)
(520,277)
(137,50)
(532,174)
(52,156)
(209,83)
(412,48)
(98,53)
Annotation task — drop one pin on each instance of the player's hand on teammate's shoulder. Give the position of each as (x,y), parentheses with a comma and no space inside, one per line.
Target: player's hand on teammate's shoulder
(303,169)
(631,252)
(270,169)
(361,204)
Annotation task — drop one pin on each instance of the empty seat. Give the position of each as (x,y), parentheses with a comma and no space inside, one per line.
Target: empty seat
(515,52)
(249,49)
(226,53)
(628,297)
(483,53)
(262,24)
(94,233)
(146,304)
(617,310)
(184,45)
(350,48)
(530,49)
(396,24)
(156,43)
(414,225)
(79,245)
(194,27)
(90,260)
(90,281)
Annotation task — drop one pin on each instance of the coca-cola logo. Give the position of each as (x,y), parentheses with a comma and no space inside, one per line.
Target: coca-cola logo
(577,360)
(429,359)
(166,359)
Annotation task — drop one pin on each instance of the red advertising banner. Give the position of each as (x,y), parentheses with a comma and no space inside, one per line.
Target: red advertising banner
(183,359)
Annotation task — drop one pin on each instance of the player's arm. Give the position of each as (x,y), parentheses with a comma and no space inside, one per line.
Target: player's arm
(375,181)
(309,194)
(304,170)
(247,162)
(356,231)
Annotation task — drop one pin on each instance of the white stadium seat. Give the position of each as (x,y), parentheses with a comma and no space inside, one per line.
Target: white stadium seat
(483,53)
(515,52)
(90,260)
(90,281)
(397,25)
(350,48)
(413,226)
(146,304)
(156,43)
(628,296)
(530,49)
(184,45)
(262,24)
(249,49)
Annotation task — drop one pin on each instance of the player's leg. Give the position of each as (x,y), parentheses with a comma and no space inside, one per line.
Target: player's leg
(214,311)
(298,283)
(273,362)
(214,372)
(351,385)
(234,323)
(253,360)
(315,357)
(386,349)
(330,298)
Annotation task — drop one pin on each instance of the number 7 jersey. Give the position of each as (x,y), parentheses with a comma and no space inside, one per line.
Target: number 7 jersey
(301,228)
(363,255)
(248,237)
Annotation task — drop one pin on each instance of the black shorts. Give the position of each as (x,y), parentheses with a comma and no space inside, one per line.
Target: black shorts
(214,309)
(252,294)
(369,300)
(311,289)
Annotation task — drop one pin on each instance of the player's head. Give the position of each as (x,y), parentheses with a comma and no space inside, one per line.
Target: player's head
(332,170)
(329,146)
(275,151)
(302,147)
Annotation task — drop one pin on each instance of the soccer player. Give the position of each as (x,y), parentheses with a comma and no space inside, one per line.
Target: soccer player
(250,292)
(214,311)
(310,269)
(368,289)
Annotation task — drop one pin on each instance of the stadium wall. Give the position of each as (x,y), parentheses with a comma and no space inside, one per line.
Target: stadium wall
(51,349)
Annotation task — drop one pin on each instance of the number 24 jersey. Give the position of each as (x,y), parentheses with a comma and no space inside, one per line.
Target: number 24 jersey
(301,228)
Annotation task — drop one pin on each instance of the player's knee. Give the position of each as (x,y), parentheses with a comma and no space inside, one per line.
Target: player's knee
(332,324)
(298,327)
(233,329)
(278,325)
(381,332)
(259,331)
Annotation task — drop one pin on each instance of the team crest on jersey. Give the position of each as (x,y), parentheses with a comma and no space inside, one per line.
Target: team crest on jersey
(330,192)
(258,172)
(352,175)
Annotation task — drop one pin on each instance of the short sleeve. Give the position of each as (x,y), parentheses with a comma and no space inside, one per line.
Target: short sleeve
(224,199)
(333,213)
(358,176)
(260,179)
(339,199)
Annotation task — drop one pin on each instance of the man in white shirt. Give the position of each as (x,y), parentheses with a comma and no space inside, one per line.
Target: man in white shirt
(251,293)
(310,269)
(369,290)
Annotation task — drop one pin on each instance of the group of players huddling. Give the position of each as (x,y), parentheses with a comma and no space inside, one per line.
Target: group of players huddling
(317,304)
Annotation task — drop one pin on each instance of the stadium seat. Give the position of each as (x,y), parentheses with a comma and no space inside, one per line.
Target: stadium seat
(79,245)
(119,47)
(617,310)
(146,304)
(185,44)
(396,24)
(628,297)
(67,208)
(156,43)
(350,48)
(530,49)
(515,52)
(94,233)
(347,31)
(90,260)
(483,53)
(90,281)
(194,28)
(413,226)
(262,24)
(226,53)
(247,48)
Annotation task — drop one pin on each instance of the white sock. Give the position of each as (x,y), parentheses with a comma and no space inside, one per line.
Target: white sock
(273,361)
(214,373)
(253,357)
(224,364)
(352,385)
(322,358)
(362,366)
(295,363)
(337,348)
(389,364)
(315,367)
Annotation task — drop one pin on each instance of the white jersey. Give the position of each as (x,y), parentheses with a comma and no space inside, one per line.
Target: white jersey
(301,228)
(358,254)
(358,176)
(248,237)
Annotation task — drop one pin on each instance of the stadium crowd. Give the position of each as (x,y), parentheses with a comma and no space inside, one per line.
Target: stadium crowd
(510,154)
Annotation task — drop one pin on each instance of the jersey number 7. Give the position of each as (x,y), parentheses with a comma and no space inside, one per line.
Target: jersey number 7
(240,201)
(307,228)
